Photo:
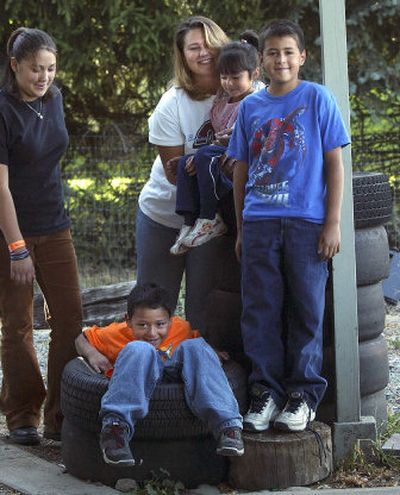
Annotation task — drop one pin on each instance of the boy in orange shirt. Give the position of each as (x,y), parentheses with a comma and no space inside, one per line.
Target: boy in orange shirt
(137,354)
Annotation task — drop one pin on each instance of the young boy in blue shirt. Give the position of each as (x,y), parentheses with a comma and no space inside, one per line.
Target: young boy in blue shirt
(288,184)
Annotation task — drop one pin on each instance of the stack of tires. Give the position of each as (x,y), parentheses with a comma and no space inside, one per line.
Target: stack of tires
(372,209)
(372,201)
(170,438)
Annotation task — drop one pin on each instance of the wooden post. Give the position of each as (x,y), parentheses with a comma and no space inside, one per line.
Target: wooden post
(335,76)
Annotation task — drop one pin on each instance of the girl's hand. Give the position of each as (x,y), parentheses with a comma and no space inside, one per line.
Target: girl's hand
(190,167)
(329,241)
(222,137)
(22,271)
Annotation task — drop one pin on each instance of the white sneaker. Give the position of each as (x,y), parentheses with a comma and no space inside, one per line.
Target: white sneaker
(178,247)
(204,230)
(262,411)
(295,415)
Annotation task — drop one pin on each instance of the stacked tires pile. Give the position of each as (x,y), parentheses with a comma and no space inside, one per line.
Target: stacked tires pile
(372,209)
(372,201)
(170,437)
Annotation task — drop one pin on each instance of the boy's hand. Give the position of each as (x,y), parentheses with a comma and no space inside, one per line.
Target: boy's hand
(190,167)
(226,165)
(98,362)
(223,355)
(329,241)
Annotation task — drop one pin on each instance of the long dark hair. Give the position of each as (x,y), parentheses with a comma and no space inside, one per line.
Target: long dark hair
(23,44)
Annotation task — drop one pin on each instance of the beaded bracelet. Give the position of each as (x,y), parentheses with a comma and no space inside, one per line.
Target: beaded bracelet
(19,255)
(13,246)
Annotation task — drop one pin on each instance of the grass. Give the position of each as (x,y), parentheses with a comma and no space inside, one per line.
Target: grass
(370,467)
(159,484)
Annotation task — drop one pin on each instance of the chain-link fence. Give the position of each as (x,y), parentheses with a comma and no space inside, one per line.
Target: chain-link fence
(105,171)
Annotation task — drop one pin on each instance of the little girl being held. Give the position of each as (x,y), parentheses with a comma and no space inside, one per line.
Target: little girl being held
(204,179)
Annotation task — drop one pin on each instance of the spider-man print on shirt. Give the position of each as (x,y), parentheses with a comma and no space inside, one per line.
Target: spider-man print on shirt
(279,149)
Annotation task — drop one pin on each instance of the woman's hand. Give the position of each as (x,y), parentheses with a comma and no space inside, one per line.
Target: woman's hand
(190,166)
(171,169)
(170,156)
(22,271)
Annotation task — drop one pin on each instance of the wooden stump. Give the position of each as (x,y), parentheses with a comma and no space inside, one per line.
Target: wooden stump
(277,460)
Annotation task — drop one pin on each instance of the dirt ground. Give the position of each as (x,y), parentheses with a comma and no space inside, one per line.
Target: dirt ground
(357,473)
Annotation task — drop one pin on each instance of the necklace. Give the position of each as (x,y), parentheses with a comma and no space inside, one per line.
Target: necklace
(39,112)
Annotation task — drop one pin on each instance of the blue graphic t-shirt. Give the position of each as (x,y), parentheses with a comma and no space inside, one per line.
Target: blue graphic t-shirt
(283,140)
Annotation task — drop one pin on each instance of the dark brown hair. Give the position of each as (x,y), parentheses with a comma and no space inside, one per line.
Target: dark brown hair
(23,44)
(279,28)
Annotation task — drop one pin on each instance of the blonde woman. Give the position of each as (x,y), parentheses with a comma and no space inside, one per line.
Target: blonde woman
(180,125)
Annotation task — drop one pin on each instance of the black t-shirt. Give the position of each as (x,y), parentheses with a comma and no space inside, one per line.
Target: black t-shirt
(32,147)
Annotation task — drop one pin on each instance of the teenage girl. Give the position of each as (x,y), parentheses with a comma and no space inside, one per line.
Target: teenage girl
(35,238)
(201,182)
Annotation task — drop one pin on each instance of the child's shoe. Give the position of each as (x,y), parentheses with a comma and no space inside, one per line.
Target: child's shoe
(178,247)
(295,415)
(204,230)
(262,411)
(114,444)
(230,442)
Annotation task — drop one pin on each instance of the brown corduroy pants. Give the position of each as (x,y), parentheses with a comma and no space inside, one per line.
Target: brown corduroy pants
(23,390)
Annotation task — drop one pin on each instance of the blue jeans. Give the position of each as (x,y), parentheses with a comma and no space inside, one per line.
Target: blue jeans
(139,368)
(200,265)
(283,289)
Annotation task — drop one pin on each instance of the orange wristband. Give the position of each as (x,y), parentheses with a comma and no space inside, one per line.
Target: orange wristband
(13,246)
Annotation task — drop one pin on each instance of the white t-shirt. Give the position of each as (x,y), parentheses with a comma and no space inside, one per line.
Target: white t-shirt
(176,120)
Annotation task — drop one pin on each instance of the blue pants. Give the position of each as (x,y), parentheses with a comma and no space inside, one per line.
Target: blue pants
(139,368)
(198,195)
(283,288)
(155,264)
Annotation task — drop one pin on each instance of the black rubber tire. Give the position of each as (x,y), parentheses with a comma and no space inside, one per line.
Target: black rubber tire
(190,460)
(168,417)
(374,366)
(371,311)
(372,199)
(376,405)
(371,405)
(372,255)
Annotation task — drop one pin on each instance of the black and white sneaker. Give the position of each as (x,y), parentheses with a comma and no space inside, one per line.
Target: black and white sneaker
(262,411)
(296,414)
(230,442)
(114,444)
